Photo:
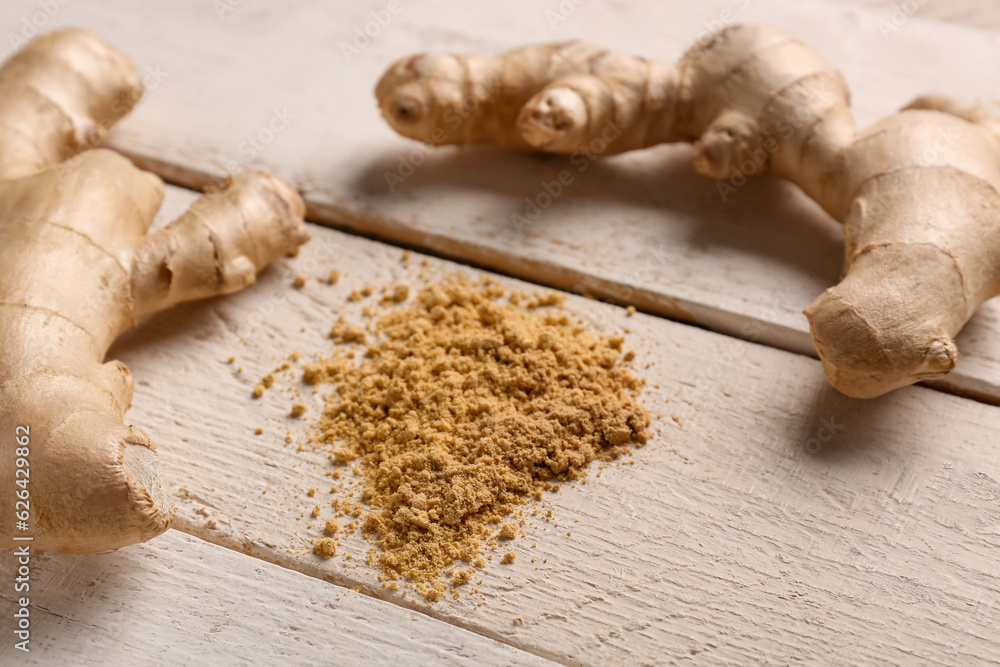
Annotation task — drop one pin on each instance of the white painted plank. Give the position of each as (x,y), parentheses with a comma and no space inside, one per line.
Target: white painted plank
(639,228)
(182,601)
(782,523)
(896,13)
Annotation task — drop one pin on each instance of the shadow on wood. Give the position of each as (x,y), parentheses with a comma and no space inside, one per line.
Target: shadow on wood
(529,191)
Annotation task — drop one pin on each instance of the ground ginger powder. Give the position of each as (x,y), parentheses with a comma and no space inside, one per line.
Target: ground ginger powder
(464,407)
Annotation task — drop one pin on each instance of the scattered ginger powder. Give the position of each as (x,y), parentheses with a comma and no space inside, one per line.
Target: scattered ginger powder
(465,407)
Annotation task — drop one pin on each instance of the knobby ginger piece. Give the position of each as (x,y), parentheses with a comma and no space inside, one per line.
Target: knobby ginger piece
(77,268)
(918,192)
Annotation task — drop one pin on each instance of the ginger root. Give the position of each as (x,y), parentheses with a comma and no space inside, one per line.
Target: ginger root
(918,192)
(77,268)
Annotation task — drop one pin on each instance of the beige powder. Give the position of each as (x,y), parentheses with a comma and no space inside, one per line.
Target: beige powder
(464,407)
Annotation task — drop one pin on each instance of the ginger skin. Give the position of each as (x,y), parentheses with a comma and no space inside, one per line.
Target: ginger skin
(918,192)
(555,98)
(77,268)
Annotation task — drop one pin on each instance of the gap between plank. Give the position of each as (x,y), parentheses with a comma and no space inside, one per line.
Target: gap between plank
(261,552)
(544,275)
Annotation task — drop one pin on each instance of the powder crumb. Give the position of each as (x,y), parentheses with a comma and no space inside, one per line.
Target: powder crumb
(333,278)
(677,420)
(325,547)
(259,389)
(630,311)
(300,281)
(464,407)
(331,527)
(431,593)
(508,531)
(298,409)
(317,511)
(347,334)
(267,381)
(550,299)
(518,621)
(231,360)
(397,294)
(311,492)
(508,557)
(407,254)
(258,431)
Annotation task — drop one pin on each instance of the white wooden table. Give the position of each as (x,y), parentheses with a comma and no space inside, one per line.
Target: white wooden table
(781,523)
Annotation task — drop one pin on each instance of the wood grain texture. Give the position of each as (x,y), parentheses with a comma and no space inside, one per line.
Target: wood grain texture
(773,522)
(182,601)
(640,228)
(972,13)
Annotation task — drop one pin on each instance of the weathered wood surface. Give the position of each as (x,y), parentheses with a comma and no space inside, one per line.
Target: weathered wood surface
(640,228)
(182,601)
(780,523)
(974,13)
